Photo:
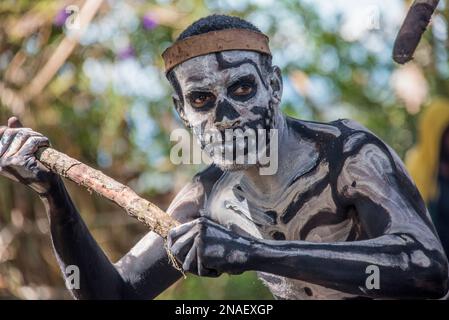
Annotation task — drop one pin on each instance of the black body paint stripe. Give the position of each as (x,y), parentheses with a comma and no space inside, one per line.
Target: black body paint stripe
(408,190)
(175,83)
(223,64)
(259,110)
(224,108)
(294,207)
(321,219)
(331,151)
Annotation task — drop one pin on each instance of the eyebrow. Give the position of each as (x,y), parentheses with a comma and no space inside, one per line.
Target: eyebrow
(197,89)
(223,64)
(195,78)
(192,87)
(237,78)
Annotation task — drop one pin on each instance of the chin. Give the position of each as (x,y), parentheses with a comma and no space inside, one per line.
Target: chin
(232,166)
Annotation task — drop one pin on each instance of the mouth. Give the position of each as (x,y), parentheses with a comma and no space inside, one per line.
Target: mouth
(254,125)
(228,125)
(238,137)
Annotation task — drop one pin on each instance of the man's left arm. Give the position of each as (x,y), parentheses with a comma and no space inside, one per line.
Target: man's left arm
(401,240)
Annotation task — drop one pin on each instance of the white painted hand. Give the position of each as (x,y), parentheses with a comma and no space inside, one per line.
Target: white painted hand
(208,249)
(17,160)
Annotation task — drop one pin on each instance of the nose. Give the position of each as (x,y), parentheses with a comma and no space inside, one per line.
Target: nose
(225,110)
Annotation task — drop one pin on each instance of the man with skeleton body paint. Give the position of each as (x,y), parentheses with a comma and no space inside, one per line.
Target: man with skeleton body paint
(339,202)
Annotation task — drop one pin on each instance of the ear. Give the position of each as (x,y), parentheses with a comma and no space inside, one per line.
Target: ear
(276,85)
(179,106)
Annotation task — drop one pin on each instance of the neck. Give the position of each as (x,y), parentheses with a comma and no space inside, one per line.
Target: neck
(290,147)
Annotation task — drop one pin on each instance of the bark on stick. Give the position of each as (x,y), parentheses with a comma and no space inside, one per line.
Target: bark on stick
(94,180)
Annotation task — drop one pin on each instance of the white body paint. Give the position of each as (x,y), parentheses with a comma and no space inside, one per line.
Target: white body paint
(324,171)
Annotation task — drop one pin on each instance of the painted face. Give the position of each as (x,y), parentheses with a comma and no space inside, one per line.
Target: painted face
(227,92)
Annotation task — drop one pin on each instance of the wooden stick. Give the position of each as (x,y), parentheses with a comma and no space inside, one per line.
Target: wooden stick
(137,207)
(413,27)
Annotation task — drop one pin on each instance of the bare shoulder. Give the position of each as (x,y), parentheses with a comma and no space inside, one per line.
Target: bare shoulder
(357,156)
(336,140)
(365,147)
(364,151)
(333,134)
(314,130)
(373,171)
(189,201)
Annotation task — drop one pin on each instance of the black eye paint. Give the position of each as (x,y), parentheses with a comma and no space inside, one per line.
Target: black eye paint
(196,97)
(247,83)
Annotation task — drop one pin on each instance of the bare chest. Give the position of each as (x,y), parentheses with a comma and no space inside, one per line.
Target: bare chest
(304,210)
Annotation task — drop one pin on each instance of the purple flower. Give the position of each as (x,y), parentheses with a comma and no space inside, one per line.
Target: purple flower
(60,17)
(149,21)
(126,53)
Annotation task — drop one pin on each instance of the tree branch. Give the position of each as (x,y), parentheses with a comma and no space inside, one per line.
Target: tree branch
(413,27)
(137,207)
(63,51)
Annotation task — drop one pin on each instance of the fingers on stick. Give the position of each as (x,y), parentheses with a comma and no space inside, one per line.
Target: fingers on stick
(14,122)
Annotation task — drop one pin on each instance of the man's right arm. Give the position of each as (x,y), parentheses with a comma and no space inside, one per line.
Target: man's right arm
(142,273)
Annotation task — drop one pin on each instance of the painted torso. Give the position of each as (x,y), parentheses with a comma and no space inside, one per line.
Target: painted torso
(304,208)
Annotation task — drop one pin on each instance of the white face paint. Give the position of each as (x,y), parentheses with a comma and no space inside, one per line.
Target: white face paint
(223,92)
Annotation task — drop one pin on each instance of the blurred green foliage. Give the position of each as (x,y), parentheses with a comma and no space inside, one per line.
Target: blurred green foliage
(109,105)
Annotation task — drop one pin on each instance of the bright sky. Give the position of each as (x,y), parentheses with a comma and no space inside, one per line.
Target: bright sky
(362,14)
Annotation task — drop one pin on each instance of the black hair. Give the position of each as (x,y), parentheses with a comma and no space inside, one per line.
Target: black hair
(217,22)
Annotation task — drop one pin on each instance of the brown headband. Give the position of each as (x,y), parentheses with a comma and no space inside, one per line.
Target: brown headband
(214,41)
